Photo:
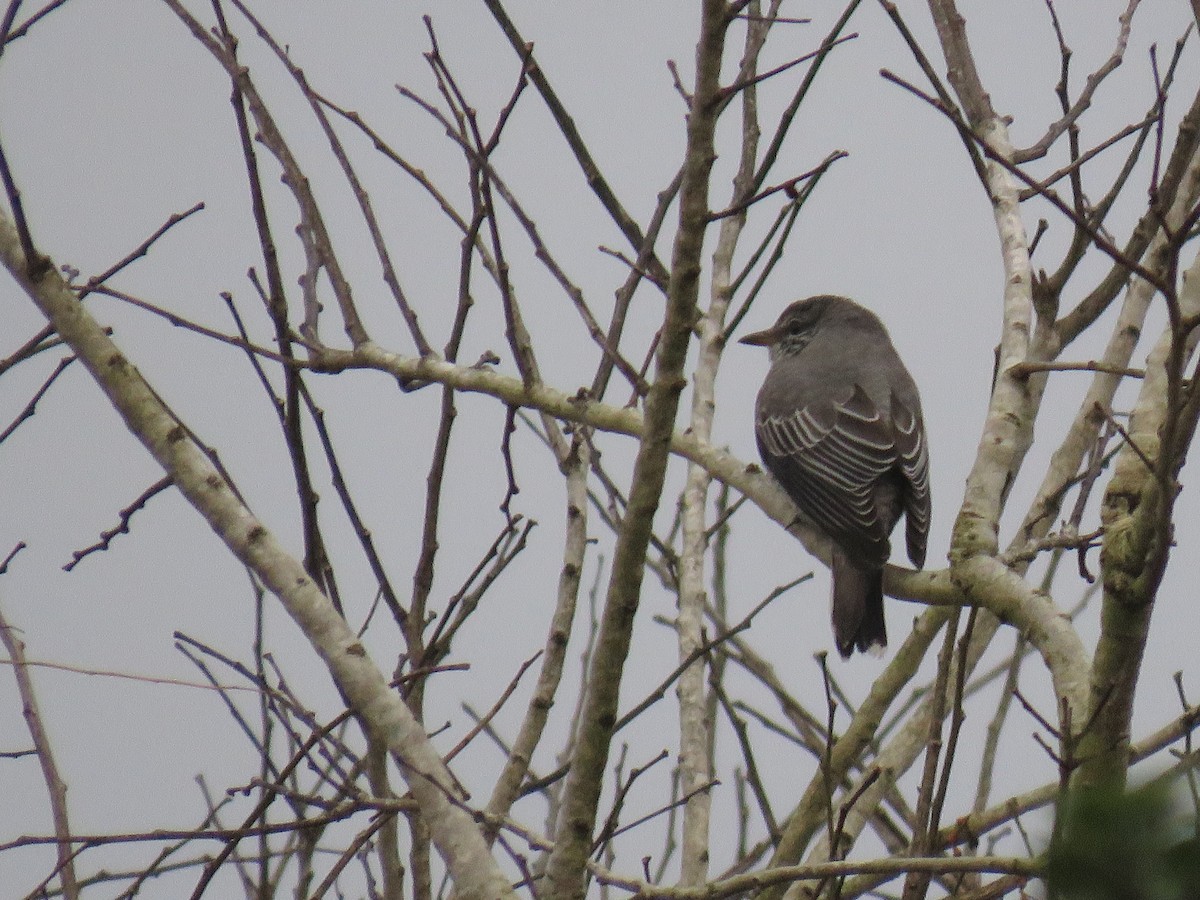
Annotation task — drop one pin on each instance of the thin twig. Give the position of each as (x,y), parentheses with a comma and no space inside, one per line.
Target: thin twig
(20,545)
(484,721)
(140,251)
(56,787)
(1042,146)
(11,35)
(31,407)
(126,515)
(789,187)
(35,265)
(1102,243)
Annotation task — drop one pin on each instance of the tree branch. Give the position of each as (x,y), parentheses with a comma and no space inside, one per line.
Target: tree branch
(454,832)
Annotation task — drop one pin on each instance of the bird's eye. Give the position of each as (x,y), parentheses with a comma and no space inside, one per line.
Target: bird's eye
(795,329)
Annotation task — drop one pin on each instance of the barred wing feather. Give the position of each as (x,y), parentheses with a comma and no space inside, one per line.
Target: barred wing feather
(913,454)
(831,458)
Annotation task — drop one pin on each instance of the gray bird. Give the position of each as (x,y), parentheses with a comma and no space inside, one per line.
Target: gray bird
(838,422)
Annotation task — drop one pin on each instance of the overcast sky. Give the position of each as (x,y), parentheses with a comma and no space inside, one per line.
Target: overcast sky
(113,117)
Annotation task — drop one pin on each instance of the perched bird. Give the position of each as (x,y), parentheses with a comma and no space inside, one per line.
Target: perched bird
(838,423)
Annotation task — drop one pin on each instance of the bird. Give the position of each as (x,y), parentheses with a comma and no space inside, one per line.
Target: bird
(838,425)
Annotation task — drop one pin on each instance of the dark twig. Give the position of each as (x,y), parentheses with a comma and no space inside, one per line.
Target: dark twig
(126,515)
(286,706)
(215,834)
(191,648)
(1084,158)
(789,187)
(483,721)
(1188,750)
(478,152)
(510,542)
(1127,438)
(624,296)
(785,120)
(337,477)
(783,226)
(31,407)
(742,83)
(352,850)
(6,23)
(924,831)
(1041,720)
(1039,149)
(723,517)
(1090,307)
(1160,104)
(1100,241)
(674,804)
(634,267)
(40,342)
(566,125)
(512,489)
(1096,460)
(318,105)
(850,802)
(314,235)
(659,692)
(35,265)
(610,828)
(141,250)
(927,69)
(703,650)
(20,545)
(11,35)
(316,557)
(180,322)
(957,717)
(826,760)
(753,778)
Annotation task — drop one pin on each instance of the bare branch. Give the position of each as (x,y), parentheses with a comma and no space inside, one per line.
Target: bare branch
(566,125)
(1040,147)
(126,516)
(55,785)
(209,492)
(31,407)
(140,251)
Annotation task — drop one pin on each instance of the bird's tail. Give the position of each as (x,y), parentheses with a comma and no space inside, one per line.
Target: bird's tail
(858,622)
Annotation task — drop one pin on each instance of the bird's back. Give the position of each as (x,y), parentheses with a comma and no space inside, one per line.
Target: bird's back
(838,423)
(821,380)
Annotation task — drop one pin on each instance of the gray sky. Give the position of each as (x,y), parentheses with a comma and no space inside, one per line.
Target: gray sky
(113,118)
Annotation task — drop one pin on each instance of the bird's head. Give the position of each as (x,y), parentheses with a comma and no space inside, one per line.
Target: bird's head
(797,325)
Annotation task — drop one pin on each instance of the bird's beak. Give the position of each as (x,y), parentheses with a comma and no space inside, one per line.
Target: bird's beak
(759,338)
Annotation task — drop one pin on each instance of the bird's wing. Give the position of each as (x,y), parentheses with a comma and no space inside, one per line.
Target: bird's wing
(831,458)
(913,454)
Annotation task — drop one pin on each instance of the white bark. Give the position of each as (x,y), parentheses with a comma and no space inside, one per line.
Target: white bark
(455,833)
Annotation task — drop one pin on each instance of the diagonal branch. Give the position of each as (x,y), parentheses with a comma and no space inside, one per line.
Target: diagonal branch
(41,742)
(383,714)
(567,864)
(566,125)
(1041,147)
